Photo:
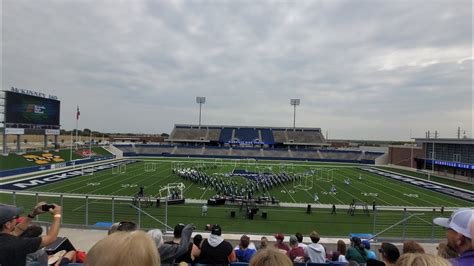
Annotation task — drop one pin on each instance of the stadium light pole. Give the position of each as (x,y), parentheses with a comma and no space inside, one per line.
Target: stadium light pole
(200,101)
(294,102)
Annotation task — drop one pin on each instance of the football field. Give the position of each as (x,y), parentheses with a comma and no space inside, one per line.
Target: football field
(350,181)
(362,187)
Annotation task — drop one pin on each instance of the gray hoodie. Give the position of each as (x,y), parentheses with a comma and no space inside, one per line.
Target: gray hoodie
(315,252)
(169,252)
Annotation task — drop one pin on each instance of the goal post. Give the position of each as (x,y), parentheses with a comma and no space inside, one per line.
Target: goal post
(150,167)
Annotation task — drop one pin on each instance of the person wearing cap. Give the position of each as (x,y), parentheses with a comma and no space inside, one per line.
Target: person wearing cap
(215,250)
(178,249)
(296,253)
(14,249)
(370,253)
(315,252)
(459,235)
(279,243)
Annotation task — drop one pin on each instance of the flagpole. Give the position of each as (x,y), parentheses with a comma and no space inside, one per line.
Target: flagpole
(90,143)
(70,156)
(77,122)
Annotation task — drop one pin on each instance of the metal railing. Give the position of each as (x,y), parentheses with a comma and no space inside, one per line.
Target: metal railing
(91,210)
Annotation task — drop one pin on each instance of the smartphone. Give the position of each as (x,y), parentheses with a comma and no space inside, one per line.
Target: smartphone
(46,207)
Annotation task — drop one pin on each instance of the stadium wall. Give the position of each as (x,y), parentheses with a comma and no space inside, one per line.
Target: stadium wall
(19,171)
(132,154)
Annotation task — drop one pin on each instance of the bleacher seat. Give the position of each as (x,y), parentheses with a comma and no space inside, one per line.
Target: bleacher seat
(226,135)
(246,134)
(299,263)
(267,135)
(337,263)
(239,264)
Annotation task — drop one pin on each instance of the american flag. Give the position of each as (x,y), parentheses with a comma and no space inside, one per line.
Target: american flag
(78,113)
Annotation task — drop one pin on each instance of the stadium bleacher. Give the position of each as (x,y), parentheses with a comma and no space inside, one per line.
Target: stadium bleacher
(246,134)
(226,135)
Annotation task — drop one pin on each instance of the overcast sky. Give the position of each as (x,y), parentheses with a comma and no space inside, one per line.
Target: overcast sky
(362,69)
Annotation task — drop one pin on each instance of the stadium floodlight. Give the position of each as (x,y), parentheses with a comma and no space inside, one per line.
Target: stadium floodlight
(294,102)
(200,101)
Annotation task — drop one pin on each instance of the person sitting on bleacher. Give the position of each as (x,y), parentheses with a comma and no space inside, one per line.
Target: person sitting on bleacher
(279,244)
(215,250)
(356,251)
(270,257)
(296,253)
(315,252)
(176,250)
(125,249)
(244,251)
(14,249)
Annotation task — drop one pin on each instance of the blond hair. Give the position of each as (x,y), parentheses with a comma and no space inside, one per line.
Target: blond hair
(124,248)
(421,259)
(270,257)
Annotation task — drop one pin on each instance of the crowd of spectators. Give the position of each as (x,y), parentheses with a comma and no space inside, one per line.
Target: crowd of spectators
(21,242)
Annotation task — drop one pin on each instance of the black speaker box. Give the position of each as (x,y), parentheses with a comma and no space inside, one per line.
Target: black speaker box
(308,209)
(232,214)
(62,243)
(264,215)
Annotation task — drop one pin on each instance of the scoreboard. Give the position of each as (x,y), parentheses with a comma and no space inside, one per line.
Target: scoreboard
(23,109)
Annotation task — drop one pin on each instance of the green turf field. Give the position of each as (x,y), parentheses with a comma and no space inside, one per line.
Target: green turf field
(153,174)
(372,187)
(13,161)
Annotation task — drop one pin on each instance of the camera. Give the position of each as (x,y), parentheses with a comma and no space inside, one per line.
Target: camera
(46,207)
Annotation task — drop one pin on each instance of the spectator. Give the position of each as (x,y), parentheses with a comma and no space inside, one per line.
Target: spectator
(196,250)
(157,236)
(279,243)
(13,249)
(113,228)
(178,249)
(263,243)
(244,253)
(40,255)
(296,253)
(62,258)
(446,251)
(127,226)
(215,250)
(340,254)
(412,247)
(299,236)
(389,253)
(270,257)
(421,259)
(356,251)
(125,249)
(315,252)
(370,253)
(459,235)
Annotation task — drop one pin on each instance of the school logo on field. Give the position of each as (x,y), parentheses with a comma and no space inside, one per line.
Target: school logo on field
(44,158)
(86,153)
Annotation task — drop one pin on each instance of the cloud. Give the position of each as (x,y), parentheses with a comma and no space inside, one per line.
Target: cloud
(362,69)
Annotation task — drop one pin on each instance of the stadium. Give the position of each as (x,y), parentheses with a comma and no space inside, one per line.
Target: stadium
(83,162)
(257,180)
